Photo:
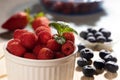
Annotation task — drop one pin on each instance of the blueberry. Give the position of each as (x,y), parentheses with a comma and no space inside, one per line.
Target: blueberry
(90,34)
(103,53)
(108,39)
(101,29)
(80,47)
(92,30)
(106,33)
(83,34)
(101,39)
(91,39)
(99,64)
(88,71)
(86,53)
(111,66)
(98,34)
(110,58)
(82,62)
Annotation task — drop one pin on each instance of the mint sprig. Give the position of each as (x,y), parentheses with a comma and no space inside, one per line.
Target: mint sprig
(62,28)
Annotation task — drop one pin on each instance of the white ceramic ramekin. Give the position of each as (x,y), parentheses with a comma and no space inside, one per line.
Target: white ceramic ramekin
(27,69)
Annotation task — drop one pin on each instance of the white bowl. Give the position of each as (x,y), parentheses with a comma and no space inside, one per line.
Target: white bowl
(27,69)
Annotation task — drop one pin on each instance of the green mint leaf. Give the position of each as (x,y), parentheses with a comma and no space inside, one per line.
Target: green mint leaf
(40,14)
(60,40)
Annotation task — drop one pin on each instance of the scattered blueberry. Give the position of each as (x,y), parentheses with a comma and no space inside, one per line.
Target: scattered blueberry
(91,30)
(111,66)
(88,71)
(110,58)
(86,53)
(106,33)
(80,47)
(101,29)
(108,39)
(103,53)
(98,34)
(99,64)
(83,34)
(101,39)
(91,39)
(82,62)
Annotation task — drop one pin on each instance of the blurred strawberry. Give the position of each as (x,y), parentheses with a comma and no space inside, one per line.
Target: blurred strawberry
(68,48)
(40,20)
(28,40)
(16,21)
(45,53)
(30,56)
(15,48)
(69,36)
(59,55)
(53,45)
(17,33)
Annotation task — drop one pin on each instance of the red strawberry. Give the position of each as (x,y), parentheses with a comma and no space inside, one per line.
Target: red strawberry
(40,21)
(16,21)
(14,47)
(42,28)
(53,45)
(30,56)
(28,40)
(59,55)
(69,36)
(43,37)
(17,33)
(68,47)
(45,53)
(37,49)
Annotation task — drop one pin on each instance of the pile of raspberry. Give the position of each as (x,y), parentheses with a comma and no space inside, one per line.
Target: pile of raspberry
(41,44)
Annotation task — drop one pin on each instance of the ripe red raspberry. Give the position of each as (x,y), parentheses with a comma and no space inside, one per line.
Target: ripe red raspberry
(43,37)
(68,47)
(17,33)
(53,45)
(69,36)
(59,55)
(28,40)
(45,53)
(30,56)
(42,28)
(37,48)
(15,48)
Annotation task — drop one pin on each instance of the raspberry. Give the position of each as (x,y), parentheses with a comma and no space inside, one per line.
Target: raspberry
(43,37)
(28,40)
(17,34)
(68,48)
(53,45)
(37,49)
(59,55)
(45,53)
(30,56)
(15,48)
(42,28)
(69,36)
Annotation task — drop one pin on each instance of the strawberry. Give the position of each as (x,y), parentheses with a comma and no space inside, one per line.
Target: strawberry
(37,48)
(17,33)
(15,48)
(43,37)
(40,21)
(53,45)
(59,55)
(68,47)
(42,28)
(69,36)
(16,21)
(28,40)
(30,56)
(45,53)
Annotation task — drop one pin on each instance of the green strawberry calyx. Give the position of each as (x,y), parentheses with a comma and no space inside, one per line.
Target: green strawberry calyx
(61,28)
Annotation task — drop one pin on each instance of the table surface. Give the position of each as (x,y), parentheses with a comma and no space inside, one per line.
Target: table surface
(109,19)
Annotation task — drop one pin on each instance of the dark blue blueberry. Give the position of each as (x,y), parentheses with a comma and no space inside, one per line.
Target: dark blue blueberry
(89,35)
(111,66)
(88,71)
(109,39)
(80,47)
(91,39)
(98,34)
(99,64)
(101,29)
(82,62)
(83,34)
(91,30)
(110,58)
(106,33)
(101,39)
(86,53)
(103,53)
